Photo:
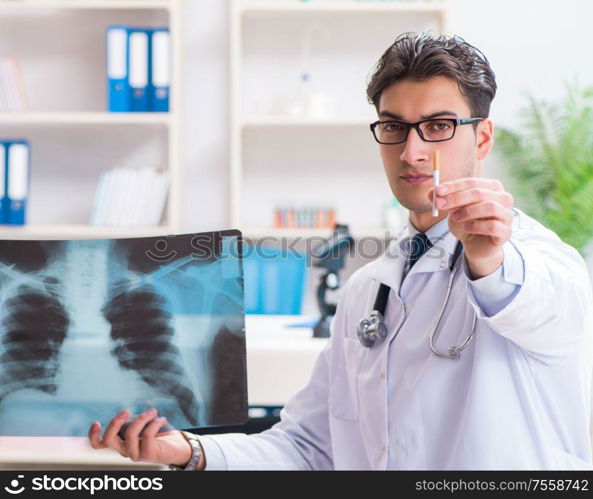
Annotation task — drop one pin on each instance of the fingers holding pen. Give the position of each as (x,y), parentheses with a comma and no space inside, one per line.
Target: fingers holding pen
(483,210)
(497,230)
(450,202)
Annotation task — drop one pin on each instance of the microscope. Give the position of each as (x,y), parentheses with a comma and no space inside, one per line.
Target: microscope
(330,255)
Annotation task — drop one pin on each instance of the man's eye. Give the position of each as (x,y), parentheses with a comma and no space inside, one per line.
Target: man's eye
(440,126)
(392,127)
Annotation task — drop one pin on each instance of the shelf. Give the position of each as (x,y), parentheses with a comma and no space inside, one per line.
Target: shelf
(83,4)
(73,231)
(279,120)
(357,233)
(346,6)
(84,118)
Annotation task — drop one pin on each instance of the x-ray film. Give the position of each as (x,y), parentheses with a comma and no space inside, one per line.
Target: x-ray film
(90,327)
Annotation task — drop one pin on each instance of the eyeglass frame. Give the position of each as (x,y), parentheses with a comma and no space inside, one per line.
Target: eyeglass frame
(416,126)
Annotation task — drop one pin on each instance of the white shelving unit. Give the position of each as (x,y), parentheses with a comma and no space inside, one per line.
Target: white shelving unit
(72,138)
(360,6)
(96,118)
(85,4)
(78,231)
(336,152)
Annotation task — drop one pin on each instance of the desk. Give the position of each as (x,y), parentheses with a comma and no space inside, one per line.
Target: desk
(62,453)
(280,359)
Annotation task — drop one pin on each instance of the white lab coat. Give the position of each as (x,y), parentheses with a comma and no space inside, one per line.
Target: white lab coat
(519,397)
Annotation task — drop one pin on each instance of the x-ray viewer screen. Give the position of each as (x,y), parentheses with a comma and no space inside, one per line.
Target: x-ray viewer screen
(90,327)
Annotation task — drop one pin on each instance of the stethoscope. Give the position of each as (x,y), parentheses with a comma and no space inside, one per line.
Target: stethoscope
(372,329)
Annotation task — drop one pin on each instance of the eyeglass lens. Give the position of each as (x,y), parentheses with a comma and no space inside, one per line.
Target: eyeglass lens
(433,130)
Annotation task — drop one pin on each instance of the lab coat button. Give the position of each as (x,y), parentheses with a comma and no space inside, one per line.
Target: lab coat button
(382,375)
(384,449)
(443,264)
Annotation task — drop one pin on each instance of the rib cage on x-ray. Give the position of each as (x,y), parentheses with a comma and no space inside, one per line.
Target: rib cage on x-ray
(34,325)
(143,342)
(80,290)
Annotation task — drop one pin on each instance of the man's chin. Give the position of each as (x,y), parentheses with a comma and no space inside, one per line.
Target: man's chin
(415,206)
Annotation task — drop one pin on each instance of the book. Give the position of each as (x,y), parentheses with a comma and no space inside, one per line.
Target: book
(13,97)
(129,197)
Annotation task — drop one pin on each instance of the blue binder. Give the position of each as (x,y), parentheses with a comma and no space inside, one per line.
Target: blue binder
(17,181)
(3,168)
(138,68)
(117,58)
(160,70)
(274,281)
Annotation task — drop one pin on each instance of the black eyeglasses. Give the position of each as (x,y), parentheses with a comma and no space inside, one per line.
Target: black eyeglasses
(435,130)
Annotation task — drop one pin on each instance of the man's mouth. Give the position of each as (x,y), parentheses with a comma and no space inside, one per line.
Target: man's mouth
(416,178)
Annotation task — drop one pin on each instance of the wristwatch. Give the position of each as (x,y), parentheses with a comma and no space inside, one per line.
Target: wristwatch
(196,453)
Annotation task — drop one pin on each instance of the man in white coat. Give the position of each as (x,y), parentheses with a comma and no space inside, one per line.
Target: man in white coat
(518,396)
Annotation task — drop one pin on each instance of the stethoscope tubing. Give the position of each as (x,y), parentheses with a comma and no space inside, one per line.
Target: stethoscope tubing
(372,329)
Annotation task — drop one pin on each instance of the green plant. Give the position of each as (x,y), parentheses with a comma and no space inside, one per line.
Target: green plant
(551,163)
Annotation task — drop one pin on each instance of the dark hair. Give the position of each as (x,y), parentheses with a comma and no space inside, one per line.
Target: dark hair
(419,56)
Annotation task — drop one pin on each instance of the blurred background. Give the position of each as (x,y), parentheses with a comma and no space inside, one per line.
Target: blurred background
(124,118)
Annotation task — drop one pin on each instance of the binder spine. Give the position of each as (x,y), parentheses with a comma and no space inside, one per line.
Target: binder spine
(3,174)
(18,181)
(160,70)
(117,58)
(139,69)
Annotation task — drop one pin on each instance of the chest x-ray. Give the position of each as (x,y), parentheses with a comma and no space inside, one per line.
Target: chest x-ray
(90,327)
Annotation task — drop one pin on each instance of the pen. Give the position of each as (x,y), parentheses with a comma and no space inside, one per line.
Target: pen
(435,183)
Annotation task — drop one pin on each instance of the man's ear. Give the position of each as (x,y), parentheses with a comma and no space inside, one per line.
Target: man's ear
(484,138)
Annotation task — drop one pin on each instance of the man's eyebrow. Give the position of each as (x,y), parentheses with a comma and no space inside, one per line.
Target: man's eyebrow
(440,113)
(395,116)
(389,114)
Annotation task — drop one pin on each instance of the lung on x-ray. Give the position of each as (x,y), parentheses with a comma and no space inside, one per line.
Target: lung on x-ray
(90,327)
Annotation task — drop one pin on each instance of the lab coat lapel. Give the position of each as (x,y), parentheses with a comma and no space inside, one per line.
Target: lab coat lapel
(389,267)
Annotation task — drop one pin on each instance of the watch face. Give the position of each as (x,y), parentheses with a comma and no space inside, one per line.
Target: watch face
(190,436)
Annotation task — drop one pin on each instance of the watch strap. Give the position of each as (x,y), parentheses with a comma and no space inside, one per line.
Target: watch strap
(196,453)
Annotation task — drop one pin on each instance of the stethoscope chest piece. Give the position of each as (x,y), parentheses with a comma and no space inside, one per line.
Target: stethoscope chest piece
(371,329)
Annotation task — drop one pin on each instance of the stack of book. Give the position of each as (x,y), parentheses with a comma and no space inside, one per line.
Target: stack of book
(138,69)
(12,90)
(127,197)
(304,217)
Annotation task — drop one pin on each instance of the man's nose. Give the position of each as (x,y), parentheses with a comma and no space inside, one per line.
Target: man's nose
(415,150)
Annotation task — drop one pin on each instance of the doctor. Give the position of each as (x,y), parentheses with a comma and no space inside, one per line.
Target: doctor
(518,396)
